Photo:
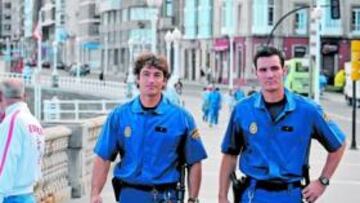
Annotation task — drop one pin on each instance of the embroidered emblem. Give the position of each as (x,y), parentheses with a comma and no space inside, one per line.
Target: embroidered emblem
(195,134)
(127,131)
(253,128)
(326,117)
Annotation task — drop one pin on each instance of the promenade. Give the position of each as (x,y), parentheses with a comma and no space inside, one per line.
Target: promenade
(344,187)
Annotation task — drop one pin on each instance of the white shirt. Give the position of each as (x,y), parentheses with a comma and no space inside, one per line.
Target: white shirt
(22,166)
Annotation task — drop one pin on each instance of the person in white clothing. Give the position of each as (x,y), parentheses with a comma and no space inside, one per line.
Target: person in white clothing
(21,146)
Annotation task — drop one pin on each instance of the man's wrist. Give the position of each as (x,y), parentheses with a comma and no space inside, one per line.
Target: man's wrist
(324,181)
(193,200)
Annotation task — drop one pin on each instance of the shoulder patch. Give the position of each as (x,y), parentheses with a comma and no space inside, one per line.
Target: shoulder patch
(195,134)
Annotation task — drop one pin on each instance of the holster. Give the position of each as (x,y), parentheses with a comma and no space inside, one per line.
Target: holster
(238,186)
(117,185)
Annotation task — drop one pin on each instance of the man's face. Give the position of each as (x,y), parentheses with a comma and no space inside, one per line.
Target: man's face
(270,73)
(151,81)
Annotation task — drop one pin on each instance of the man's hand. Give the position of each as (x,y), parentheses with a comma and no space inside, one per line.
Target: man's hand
(313,191)
(96,199)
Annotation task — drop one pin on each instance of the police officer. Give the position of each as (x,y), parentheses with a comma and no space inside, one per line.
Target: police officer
(272,130)
(153,138)
(21,146)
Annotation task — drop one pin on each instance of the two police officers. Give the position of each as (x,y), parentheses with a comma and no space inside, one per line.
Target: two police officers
(272,132)
(153,137)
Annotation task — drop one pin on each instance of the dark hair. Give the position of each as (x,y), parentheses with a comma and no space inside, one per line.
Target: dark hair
(269,51)
(150,59)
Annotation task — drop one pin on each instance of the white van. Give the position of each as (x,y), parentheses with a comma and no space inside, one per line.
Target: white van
(348,91)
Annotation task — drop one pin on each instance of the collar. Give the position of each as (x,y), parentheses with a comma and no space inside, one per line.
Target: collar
(16,106)
(289,103)
(160,109)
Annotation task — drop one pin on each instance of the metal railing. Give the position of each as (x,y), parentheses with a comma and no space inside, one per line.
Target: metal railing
(91,86)
(56,110)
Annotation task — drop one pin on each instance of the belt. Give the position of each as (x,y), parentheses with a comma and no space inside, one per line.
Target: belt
(276,186)
(159,187)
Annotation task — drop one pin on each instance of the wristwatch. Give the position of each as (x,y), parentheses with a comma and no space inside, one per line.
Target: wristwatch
(324,181)
(193,200)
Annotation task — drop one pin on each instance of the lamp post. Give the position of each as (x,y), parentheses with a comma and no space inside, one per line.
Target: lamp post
(176,37)
(77,65)
(156,5)
(55,74)
(37,82)
(168,40)
(130,80)
(173,37)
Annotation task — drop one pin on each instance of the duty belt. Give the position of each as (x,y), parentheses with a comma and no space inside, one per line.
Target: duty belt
(276,186)
(158,187)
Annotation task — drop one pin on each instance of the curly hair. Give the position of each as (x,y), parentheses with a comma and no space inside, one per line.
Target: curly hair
(150,59)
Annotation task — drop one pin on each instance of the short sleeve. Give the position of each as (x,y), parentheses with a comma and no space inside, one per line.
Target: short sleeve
(194,148)
(326,131)
(107,145)
(233,139)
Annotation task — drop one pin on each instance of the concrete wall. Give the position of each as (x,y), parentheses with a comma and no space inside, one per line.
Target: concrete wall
(67,164)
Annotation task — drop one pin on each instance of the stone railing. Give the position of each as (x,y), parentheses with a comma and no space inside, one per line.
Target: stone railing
(54,186)
(67,163)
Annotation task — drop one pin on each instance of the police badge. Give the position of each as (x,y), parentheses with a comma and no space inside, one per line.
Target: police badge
(127,131)
(253,128)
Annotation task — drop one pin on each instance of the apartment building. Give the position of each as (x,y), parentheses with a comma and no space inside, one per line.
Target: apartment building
(252,22)
(131,21)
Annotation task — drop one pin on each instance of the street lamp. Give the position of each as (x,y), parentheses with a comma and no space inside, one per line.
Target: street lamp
(168,40)
(55,75)
(173,37)
(156,5)
(130,80)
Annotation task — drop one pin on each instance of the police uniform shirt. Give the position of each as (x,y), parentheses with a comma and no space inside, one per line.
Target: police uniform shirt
(278,149)
(150,142)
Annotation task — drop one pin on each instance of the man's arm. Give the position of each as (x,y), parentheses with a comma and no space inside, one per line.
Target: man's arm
(315,189)
(194,179)
(99,175)
(228,165)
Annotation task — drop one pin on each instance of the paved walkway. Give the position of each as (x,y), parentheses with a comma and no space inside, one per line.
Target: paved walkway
(345,185)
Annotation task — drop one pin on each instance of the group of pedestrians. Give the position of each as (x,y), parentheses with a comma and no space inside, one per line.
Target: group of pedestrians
(212,102)
(211,105)
(268,136)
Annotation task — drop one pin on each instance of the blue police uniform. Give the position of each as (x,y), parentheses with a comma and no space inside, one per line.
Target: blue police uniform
(277,149)
(214,106)
(151,145)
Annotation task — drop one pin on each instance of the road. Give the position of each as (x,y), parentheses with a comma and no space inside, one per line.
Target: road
(344,187)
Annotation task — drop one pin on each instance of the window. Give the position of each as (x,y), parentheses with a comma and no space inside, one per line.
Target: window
(169,8)
(270,12)
(7,5)
(300,21)
(223,15)
(299,51)
(355,19)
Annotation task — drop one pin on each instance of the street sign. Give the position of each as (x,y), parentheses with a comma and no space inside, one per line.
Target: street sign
(335,9)
(355,59)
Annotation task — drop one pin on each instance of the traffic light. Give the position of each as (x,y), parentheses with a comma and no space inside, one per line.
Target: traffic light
(335,9)
(355,59)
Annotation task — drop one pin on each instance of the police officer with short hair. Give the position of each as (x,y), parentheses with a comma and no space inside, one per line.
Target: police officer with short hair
(153,137)
(272,131)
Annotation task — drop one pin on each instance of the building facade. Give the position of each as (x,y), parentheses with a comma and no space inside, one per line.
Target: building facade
(126,26)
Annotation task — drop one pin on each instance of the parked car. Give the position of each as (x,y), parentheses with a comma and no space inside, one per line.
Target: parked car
(84,70)
(47,64)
